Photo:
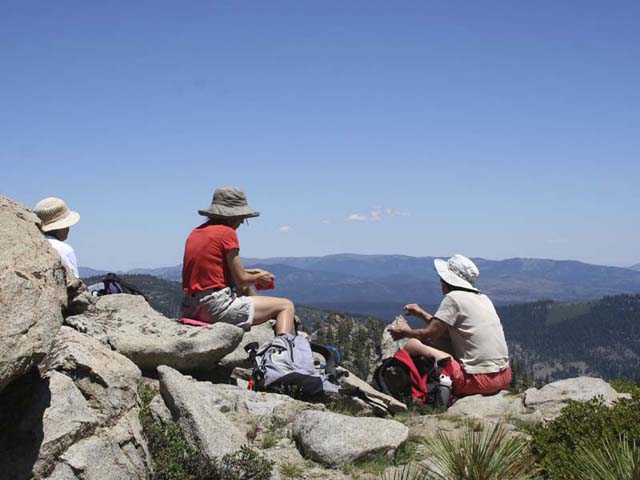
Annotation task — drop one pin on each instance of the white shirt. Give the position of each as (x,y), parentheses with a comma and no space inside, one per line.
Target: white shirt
(67,255)
(476,332)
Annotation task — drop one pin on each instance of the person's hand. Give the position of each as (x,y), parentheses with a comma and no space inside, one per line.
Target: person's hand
(253,271)
(398,333)
(265,278)
(414,310)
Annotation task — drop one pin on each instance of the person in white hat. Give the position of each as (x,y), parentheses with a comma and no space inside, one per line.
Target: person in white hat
(480,360)
(55,220)
(217,287)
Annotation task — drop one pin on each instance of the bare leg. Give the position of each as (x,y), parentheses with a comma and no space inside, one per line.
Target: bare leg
(282,309)
(418,349)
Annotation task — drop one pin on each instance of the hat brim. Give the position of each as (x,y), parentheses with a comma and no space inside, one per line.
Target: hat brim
(70,219)
(442,267)
(223,212)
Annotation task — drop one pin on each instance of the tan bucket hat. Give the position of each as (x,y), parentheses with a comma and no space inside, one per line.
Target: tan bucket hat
(229,202)
(458,271)
(54,214)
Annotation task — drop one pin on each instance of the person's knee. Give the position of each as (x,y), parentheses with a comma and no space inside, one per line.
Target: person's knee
(288,305)
(413,344)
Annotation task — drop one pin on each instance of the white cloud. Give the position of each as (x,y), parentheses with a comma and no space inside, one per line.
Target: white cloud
(326,222)
(377,214)
(285,228)
(392,212)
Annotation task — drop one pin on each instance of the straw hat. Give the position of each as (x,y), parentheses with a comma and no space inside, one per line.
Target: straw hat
(229,202)
(458,271)
(54,214)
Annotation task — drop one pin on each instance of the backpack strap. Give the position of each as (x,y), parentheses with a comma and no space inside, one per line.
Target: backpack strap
(357,393)
(329,355)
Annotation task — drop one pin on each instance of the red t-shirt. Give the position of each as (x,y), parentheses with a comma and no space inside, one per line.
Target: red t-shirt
(205,266)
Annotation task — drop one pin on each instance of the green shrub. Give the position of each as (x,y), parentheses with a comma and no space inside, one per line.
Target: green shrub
(173,458)
(626,386)
(607,460)
(554,444)
(244,464)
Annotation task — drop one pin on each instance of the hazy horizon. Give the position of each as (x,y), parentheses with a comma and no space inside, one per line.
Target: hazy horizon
(170,265)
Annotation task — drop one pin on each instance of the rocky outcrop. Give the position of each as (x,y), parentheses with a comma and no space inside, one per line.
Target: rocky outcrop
(203,425)
(391,405)
(76,418)
(551,399)
(247,406)
(388,345)
(32,292)
(334,440)
(240,358)
(494,408)
(128,325)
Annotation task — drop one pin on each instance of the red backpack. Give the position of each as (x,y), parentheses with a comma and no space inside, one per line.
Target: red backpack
(413,380)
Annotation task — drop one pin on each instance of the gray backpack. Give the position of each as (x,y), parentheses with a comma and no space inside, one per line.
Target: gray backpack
(285,364)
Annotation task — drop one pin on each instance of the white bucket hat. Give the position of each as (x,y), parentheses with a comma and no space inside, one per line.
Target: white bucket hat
(54,214)
(229,202)
(458,271)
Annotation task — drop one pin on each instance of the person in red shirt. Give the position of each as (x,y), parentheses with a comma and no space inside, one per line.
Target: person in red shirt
(217,287)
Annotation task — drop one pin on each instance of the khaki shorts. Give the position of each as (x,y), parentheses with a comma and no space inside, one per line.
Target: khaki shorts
(223,305)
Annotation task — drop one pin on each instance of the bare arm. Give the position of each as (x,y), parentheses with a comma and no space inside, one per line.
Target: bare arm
(435,328)
(242,278)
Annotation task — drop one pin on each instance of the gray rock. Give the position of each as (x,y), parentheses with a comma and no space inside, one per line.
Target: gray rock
(334,440)
(129,325)
(107,380)
(495,408)
(116,453)
(79,298)
(67,419)
(159,410)
(391,404)
(551,399)
(203,425)
(388,345)
(239,358)
(246,406)
(33,292)
(84,395)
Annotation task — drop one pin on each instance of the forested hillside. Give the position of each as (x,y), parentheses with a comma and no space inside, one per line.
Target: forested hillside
(601,338)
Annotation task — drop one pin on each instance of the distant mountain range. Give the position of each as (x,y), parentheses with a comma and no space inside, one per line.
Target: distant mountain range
(380,285)
(635,267)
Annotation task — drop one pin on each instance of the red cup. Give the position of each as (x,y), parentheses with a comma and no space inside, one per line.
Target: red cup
(270,286)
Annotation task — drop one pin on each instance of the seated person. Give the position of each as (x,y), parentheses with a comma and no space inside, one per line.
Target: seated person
(55,220)
(480,361)
(217,288)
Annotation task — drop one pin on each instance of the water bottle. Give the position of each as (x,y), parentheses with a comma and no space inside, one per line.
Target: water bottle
(444,391)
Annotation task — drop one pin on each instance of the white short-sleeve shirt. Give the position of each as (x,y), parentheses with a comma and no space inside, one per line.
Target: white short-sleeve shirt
(67,255)
(476,332)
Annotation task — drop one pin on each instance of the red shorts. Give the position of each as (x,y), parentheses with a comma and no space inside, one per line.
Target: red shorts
(469,384)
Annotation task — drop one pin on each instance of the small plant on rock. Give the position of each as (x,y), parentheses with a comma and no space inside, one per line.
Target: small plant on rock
(244,464)
(291,470)
(488,454)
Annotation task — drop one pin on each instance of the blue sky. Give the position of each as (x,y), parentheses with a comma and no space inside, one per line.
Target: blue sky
(493,129)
